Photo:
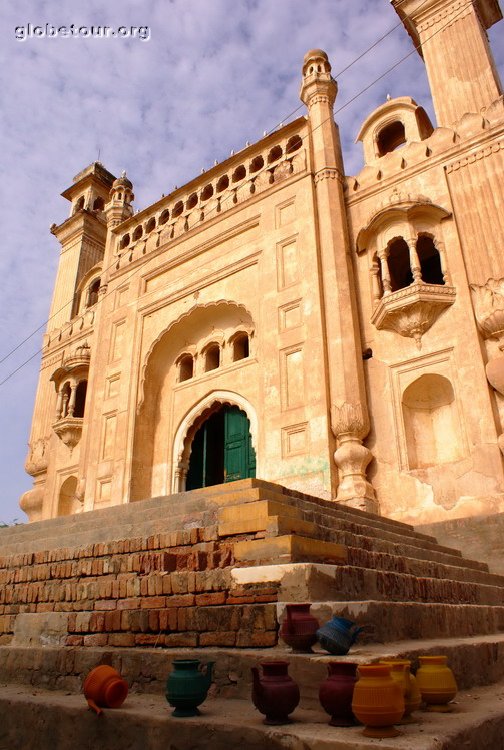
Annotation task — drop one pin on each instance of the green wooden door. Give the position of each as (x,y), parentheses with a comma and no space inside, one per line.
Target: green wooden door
(221,450)
(239,455)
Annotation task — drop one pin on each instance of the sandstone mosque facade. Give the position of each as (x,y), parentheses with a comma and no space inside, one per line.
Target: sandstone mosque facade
(276,318)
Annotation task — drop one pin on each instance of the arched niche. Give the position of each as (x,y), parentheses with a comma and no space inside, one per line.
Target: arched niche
(152,466)
(431,423)
(68,503)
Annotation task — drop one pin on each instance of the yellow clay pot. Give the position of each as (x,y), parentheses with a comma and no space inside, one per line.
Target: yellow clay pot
(436,682)
(378,701)
(400,671)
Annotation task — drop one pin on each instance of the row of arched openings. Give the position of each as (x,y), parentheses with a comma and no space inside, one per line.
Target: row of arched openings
(212,356)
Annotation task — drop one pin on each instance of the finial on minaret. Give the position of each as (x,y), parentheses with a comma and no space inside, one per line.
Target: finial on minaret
(317,77)
(121,197)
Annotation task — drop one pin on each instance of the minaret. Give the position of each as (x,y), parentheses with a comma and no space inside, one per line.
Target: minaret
(349,415)
(82,237)
(451,37)
(121,197)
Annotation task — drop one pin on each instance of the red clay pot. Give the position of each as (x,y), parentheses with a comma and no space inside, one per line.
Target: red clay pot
(274,693)
(299,628)
(104,688)
(336,692)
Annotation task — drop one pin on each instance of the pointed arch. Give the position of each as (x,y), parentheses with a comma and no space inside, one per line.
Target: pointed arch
(194,418)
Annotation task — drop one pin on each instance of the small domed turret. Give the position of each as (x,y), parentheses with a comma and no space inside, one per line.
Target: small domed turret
(121,197)
(316,61)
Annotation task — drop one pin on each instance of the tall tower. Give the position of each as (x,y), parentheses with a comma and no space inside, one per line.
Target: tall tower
(451,37)
(82,237)
(349,416)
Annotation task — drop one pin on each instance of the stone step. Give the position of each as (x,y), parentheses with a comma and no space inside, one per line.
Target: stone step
(318,581)
(59,719)
(475,661)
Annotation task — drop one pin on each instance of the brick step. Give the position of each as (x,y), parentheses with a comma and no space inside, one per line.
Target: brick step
(400,547)
(424,568)
(386,622)
(301,581)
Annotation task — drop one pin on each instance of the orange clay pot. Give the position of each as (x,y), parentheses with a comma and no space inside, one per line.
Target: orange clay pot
(436,682)
(104,688)
(400,671)
(378,701)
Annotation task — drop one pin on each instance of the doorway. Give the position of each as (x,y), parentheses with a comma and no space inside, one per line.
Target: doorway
(221,450)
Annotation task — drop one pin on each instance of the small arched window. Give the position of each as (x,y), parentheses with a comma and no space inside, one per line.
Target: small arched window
(256,164)
(207,192)
(93,290)
(165,215)
(137,233)
(177,209)
(185,368)
(430,260)
(399,264)
(80,204)
(80,399)
(241,347)
(391,137)
(212,357)
(293,144)
(151,224)
(222,183)
(99,204)
(239,173)
(275,153)
(125,241)
(191,201)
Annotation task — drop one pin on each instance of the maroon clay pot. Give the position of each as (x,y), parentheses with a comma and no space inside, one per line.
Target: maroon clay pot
(299,627)
(274,693)
(336,692)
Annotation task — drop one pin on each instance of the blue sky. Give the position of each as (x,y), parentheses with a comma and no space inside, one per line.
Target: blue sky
(213,75)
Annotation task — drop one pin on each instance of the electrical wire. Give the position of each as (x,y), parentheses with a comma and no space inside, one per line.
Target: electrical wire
(346,104)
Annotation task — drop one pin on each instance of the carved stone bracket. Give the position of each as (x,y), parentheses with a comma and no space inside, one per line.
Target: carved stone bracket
(69,431)
(488,301)
(350,424)
(329,173)
(37,458)
(410,312)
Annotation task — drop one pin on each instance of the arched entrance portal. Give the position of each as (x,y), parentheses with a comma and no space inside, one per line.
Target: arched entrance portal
(221,450)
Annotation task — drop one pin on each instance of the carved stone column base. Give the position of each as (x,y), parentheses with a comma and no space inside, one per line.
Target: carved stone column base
(354,490)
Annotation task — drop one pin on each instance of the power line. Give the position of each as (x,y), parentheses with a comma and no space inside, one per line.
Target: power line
(346,104)
(279,124)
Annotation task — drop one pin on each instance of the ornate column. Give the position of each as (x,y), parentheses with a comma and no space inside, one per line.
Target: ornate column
(375,282)
(71,403)
(59,404)
(385,271)
(349,420)
(416,269)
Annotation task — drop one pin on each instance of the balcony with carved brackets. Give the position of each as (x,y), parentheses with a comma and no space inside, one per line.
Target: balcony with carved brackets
(410,281)
(71,385)
(412,311)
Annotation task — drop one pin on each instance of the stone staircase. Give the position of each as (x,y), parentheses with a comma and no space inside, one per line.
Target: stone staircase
(208,573)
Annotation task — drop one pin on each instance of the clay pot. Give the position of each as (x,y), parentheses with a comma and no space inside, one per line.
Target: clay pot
(299,628)
(274,693)
(378,701)
(400,671)
(338,635)
(336,692)
(187,686)
(436,682)
(104,688)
